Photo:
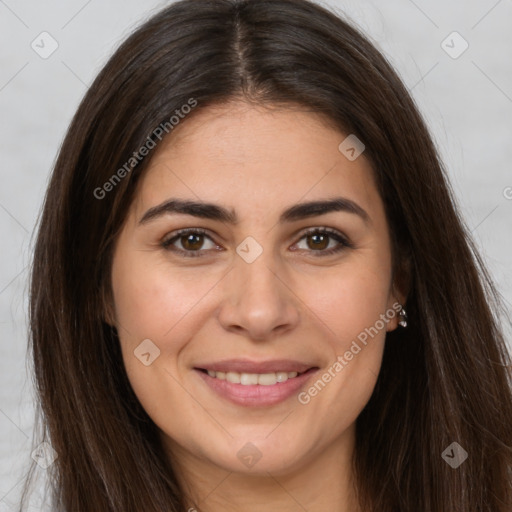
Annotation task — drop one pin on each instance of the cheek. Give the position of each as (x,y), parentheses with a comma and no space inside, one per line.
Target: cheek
(151,300)
(353,308)
(351,300)
(158,303)
(153,315)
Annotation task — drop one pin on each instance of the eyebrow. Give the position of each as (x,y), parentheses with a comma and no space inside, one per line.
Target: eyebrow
(216,212)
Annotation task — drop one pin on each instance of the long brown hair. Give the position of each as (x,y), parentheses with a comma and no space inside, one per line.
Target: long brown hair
(444,379)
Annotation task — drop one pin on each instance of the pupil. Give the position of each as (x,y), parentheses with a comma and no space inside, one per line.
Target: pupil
(317,238)
(189,241)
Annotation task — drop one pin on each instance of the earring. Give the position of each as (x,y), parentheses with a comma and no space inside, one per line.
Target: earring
(402,318)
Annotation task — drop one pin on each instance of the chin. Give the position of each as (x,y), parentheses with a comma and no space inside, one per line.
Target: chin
(260,454)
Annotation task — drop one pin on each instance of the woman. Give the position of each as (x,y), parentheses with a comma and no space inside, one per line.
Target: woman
(252,288)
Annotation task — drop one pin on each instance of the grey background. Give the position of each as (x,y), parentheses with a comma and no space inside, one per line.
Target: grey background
(467,103)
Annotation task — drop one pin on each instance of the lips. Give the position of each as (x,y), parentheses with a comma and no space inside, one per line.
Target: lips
(245,366)
(252,383)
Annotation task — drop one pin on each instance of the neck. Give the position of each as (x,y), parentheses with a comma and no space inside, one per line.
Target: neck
(323,481)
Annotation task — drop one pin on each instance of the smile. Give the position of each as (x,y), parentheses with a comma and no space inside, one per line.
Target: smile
(248,379)
(255,389)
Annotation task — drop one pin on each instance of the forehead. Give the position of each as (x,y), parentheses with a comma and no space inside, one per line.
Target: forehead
(250,157)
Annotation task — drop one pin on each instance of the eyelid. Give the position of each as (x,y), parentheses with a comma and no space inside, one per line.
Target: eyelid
(343,241)
(324,229)
(170,238)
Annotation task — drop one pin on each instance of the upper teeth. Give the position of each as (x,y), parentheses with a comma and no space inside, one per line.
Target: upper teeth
(247,379)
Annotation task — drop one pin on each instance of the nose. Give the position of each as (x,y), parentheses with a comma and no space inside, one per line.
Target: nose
(258,302)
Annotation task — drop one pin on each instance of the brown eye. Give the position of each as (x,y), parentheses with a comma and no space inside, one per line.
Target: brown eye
(317,241)
(192,242)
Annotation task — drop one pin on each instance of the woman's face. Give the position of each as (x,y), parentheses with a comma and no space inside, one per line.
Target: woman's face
(299,318)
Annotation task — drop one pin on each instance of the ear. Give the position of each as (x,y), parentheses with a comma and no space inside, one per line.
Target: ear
(395,303)
(399,291)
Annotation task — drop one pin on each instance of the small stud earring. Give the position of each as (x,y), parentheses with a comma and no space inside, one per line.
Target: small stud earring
(402,318)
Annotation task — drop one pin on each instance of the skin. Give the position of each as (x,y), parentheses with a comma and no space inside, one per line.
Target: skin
(287,304)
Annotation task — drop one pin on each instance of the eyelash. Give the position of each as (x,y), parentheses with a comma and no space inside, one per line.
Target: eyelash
(343,242)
